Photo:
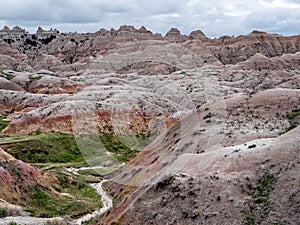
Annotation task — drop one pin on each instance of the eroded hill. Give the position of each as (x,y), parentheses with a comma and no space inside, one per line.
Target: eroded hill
(209,126)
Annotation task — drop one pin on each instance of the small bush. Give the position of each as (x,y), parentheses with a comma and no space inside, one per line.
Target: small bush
(7,76)
(3,212)
(12,223)
(291,118)
(165,182)
(3,123)
(33,78)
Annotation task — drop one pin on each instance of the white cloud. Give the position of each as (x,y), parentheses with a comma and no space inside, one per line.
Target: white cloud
(214,17)
(285,4)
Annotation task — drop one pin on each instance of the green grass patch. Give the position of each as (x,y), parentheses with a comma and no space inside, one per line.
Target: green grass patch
(34,77)
(294,114)
(3,123)
(7,76)
(51,147)
(45,149)
(114,145)
(93,149)
(83,199)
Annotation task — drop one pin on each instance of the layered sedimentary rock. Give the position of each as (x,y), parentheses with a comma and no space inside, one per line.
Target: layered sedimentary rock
(221,116)
(73,53)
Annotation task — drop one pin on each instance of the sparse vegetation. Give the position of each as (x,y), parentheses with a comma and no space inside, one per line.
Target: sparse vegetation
(294,114)
(3,212)
(7,211)
(122,152)
(34,77)
(82,199)
(3,123)
(166,181)
(291,118)
(57,147)
(260,205)
(7,76)
(12,223)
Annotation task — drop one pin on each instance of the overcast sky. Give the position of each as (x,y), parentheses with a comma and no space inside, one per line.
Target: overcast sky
(214,17)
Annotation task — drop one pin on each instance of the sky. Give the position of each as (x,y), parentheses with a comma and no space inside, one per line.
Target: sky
(214,17)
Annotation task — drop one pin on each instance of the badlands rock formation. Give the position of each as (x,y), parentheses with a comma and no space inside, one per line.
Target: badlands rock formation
(72,53)
(221,117)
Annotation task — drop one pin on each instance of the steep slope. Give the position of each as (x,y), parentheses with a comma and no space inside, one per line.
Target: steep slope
(17,177)
(184,171)
(242,185)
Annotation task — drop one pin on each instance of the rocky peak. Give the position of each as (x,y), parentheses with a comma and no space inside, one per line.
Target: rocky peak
(174,35)
(40,30)
(104,32)
(127,28)
(255,32)
(18,29)
(173,32)
(197,34)
(5,28)
(143,30)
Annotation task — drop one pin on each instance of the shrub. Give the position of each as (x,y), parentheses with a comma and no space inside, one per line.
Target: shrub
(12,223)
(7,76)
(3,123)
(291,118)
(3,212)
